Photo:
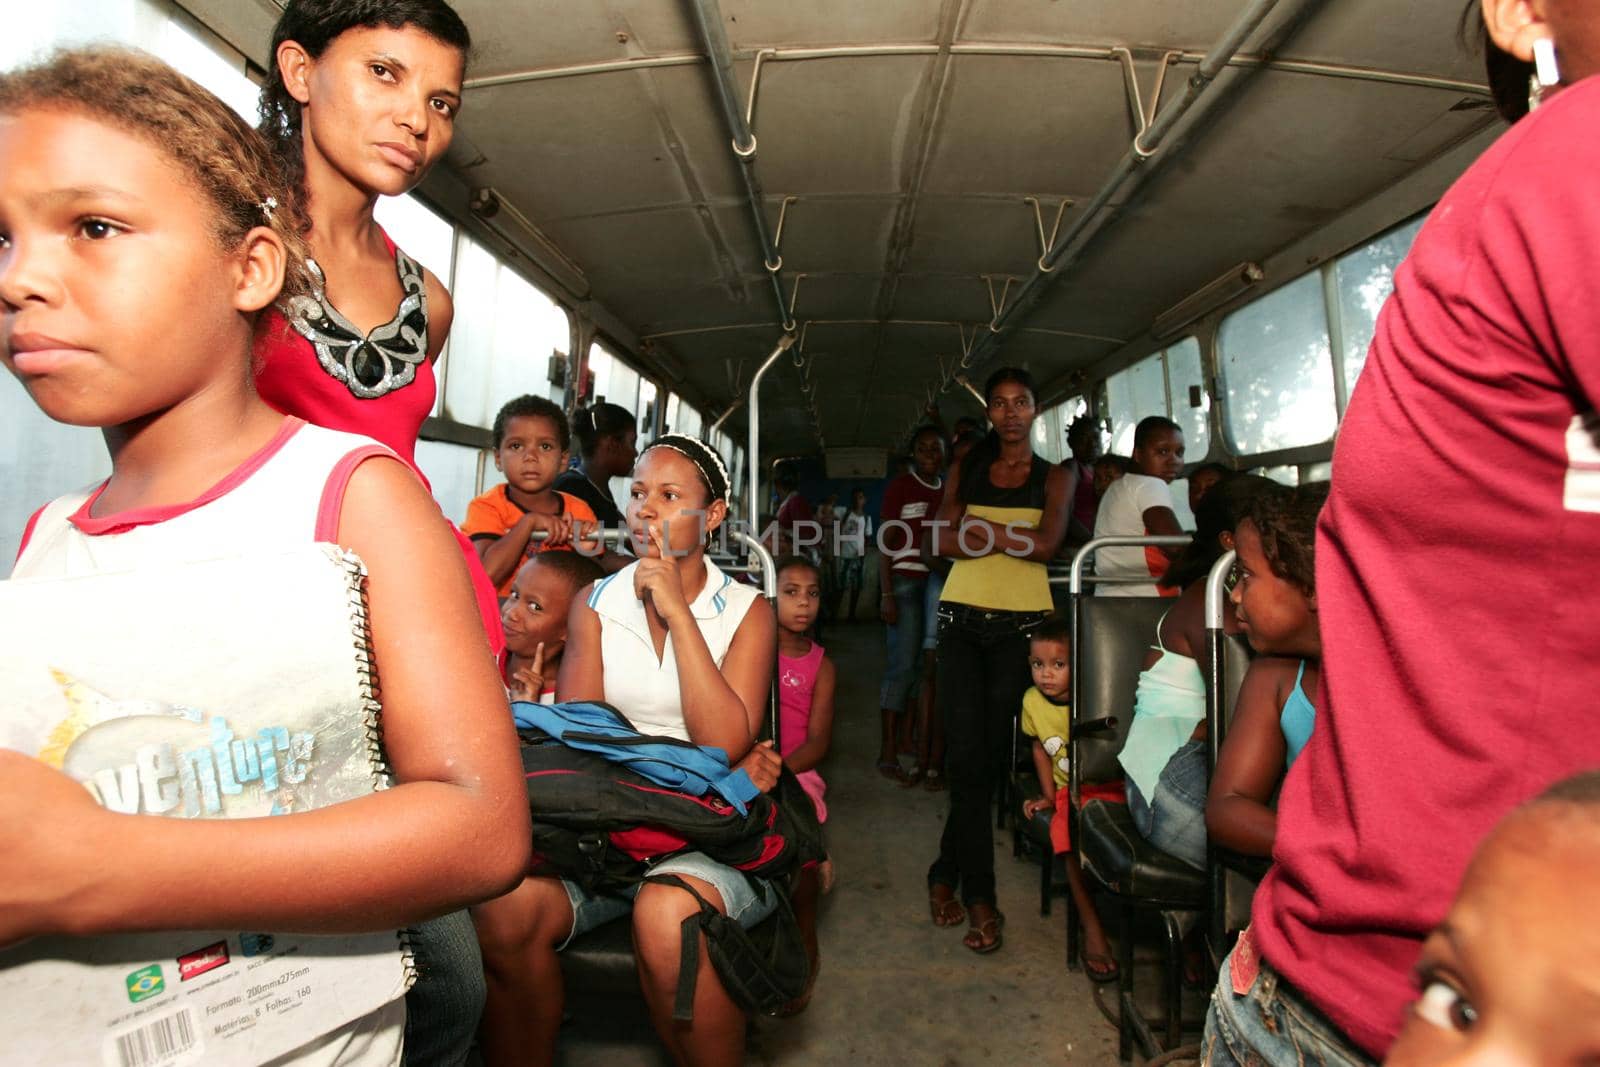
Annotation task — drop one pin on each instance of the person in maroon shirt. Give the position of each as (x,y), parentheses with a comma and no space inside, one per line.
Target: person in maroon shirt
(1459,666)
(1083,438)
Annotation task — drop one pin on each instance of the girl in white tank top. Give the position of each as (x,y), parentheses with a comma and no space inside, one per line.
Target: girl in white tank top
(142,232)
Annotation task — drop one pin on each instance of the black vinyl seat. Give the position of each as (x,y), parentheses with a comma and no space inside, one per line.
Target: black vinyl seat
(1110,638)
(601,961)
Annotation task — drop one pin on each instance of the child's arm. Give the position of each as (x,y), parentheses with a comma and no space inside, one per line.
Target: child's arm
(454,830)
(1046,800)
(1251,762)
(819,730)
(503,555)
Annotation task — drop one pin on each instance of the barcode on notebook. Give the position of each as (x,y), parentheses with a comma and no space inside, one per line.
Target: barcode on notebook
(158,1043)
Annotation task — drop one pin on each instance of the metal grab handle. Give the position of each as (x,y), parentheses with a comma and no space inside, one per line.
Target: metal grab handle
(1215,594)
(599,533)
(1075,582)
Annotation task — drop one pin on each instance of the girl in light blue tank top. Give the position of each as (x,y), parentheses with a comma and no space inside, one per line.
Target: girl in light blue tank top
(1274,718)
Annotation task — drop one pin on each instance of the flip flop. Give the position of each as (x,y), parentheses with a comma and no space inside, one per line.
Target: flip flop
(912,777)
(892,770)
(1100,968)
(933,780)
(945,910)
(988,933)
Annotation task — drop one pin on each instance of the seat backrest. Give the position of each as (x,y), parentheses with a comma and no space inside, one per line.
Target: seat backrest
(1113,635)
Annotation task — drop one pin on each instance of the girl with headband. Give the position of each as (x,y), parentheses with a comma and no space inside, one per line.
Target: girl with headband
(683,650)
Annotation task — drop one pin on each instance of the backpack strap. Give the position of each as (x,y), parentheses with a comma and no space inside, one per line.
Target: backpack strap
(689,946)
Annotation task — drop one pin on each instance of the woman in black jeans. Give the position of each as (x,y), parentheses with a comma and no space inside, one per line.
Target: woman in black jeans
(1004,513)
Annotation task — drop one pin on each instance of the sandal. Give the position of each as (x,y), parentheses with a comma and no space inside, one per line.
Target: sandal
(912,777)
(1099,968)
(892,770)
(943,906)
(984,937)
(933,780)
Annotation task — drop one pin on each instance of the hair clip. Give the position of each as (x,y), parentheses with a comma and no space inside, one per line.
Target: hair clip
(268,206)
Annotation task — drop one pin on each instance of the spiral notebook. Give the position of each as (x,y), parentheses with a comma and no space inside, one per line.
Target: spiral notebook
(226,689)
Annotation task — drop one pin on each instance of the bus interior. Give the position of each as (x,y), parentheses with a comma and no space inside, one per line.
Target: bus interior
(800,231)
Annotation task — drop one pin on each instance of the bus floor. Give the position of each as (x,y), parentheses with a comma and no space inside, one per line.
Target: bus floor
(893,988)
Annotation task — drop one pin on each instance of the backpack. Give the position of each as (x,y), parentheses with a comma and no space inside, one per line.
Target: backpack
(602,824)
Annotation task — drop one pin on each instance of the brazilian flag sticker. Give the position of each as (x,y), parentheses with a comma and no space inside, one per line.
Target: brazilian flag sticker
(145,983)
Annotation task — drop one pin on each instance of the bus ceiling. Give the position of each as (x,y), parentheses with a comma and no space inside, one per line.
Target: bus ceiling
(918,190)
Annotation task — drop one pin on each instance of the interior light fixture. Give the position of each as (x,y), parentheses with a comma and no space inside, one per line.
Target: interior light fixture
(1207,298)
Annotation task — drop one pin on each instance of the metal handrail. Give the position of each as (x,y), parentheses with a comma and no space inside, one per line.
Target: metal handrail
(1216,655)
(1075,582)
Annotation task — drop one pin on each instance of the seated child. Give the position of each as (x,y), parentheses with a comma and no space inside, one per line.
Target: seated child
(1139,504)
(1508,976)
(1274,596)
(531,443)
(805,723)
(1047,718)
(535,619)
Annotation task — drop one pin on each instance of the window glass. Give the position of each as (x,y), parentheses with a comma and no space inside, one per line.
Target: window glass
(1277,375)
(1316,472)
(1046,434)
(504,333)
(690,419)
(669,422)
(647,409)
(40,459)
(452,470)
(614,381)
(424,236)
(1282,475)
(1184,372)
(1131,395)
(1365,278)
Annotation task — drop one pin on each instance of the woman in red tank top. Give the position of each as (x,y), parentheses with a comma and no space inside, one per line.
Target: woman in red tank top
(355,112)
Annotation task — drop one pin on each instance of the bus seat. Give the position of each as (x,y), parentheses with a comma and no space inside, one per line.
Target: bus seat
(601,961)
(1113,635)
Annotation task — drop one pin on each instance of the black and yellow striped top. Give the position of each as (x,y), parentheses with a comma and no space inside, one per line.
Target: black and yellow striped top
(999,581)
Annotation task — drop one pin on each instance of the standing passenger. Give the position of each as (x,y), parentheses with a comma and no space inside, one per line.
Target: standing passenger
(1083,437)
(1004,513)
(909,505)
(1445,703)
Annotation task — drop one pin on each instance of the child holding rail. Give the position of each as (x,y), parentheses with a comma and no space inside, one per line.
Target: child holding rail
(1047,718)
(132,201)
(531,445)
(1274,596)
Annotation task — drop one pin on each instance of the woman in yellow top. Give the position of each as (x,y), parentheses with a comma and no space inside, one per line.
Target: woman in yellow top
(1004,513)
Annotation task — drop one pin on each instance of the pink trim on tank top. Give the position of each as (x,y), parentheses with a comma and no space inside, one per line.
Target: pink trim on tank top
(332,503)
(27,533)
(127,520)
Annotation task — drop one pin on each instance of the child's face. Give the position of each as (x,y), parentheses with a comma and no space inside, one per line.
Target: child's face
(668,497)
(530,454)
(380,105)
(799,597)
(1049,661)
(1277,617)
(536,610)
(1509,977)
(1161,456)
(927,453)
(858,500)
(1201,483)
(1104,475)
(115,298)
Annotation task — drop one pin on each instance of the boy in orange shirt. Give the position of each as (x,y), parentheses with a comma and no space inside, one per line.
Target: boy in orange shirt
(531,444)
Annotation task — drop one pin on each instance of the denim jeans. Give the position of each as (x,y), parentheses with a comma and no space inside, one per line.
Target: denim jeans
(1174,820)
(905,641)
(983,672)
(1270,1025)
(442,1009)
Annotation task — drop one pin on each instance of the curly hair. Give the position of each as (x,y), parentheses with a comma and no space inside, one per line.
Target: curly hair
(532,407)
(135,92)
(316,24)
(1287,522)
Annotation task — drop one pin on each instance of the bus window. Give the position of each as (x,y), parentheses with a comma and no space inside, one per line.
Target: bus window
(1365,278)
(1184,372)
(500,344)
(1277,374)
(452,471)
(1131,395)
